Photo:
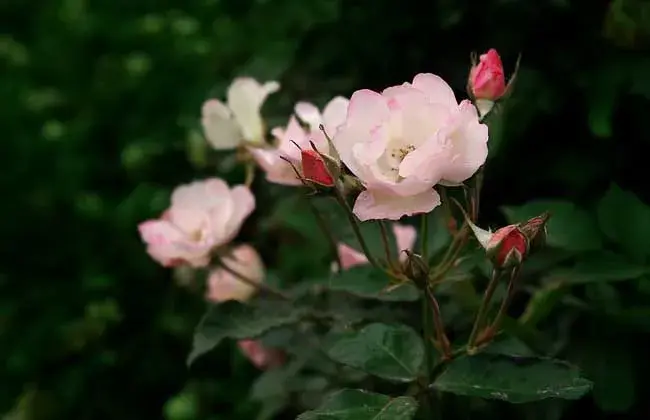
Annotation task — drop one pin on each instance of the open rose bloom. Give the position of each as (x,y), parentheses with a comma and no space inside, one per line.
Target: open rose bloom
(226,126)
(223,285)
(203,215)
(405,236)
(403,141)
(271,160)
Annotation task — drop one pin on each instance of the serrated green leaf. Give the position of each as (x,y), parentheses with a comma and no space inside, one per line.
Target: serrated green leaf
(512,379)
(369,282)
(625,220)
(354,404)
(509,346)
(570,227)
(237,320)
(393,352)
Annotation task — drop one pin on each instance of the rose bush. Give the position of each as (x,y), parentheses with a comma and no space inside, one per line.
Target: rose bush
(394,154)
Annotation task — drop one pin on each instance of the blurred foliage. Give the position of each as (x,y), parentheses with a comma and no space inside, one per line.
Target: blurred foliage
(100,122)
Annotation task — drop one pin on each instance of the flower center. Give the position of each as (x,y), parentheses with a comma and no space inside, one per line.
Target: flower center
(196,235)
(398,154)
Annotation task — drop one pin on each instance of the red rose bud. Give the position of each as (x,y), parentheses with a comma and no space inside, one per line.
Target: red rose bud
(486,78)
(507,247)
(314,168)
(535,230)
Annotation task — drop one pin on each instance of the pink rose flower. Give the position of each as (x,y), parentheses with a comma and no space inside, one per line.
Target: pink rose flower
(271,160)
(486,79)
(260,356)
(222,285)
(227,126)
(403,141)
(405,236)
(203,216)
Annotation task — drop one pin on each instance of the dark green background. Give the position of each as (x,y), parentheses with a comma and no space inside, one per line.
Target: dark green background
(99,120)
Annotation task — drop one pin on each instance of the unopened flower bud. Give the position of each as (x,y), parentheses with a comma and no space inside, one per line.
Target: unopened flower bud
(487,83)
(314,169)
(415,268)
(317,170)
(507,247)
(535,230)
(486,78)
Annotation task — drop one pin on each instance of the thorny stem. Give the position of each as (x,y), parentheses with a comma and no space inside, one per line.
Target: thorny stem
(386,243)
(322,224)
(452,254)
(355,226)
(429,330)
(445,203)
(483,309)
(441,337)
(512,284)
(424,236)
(432,330)
(427,326)
(259,286)
(476,199)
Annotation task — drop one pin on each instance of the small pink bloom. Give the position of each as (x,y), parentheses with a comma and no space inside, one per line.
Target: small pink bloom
(350,257)
(402,142)
(222,285)
(405,236)
(271,159)
(486,79)
(261,357)
(203,215)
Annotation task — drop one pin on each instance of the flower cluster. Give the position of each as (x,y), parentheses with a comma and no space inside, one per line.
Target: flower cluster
(396,146)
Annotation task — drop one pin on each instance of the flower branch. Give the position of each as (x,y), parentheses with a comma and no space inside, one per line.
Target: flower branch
(262,287)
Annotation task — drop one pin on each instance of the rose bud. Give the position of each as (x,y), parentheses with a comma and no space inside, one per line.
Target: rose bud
(486,83)
(314,168)
(507,247)
(486,79)
(535,230)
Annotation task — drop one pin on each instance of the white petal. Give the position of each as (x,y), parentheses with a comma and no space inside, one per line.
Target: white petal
(245,99)
(219,128)
(309,114)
